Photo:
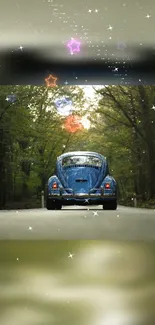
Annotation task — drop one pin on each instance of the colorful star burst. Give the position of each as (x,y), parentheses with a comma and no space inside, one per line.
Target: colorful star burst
(62,102)
(64,105)
(73,46)
(73,124)
(51,81)
(121,45)
(11,98)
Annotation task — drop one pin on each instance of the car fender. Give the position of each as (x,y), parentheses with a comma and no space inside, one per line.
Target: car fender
(54,179)
(49,183)
(111,180)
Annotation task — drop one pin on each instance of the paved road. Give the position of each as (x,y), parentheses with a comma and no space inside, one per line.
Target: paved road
(78,223)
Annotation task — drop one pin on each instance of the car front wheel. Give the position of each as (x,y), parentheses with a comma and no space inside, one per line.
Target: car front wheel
(110,205)
(50,205)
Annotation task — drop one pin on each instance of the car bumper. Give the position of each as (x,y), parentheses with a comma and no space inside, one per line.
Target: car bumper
(82,198)
(81,195)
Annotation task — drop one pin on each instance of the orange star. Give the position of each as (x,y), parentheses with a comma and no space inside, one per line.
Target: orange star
(51,81)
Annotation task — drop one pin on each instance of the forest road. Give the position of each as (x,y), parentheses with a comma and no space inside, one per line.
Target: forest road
(79,223)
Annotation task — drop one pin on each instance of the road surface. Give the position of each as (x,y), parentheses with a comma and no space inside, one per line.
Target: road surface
(78,223)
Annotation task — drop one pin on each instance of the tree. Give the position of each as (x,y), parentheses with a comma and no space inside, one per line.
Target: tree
(31,137)
(127,122)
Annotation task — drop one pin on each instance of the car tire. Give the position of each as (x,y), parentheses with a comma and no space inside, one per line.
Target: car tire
(50,205)
(58,206)
(110,205)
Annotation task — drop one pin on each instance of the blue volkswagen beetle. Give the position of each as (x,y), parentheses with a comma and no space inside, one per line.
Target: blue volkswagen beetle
(81,178)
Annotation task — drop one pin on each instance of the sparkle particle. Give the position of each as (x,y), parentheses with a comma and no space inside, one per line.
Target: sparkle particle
(64,105)
(11,98)
(95,213)
(110,27)
(51,81)
(70,255)
(121,45)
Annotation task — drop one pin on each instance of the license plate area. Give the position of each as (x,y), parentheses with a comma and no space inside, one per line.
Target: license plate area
(81,180)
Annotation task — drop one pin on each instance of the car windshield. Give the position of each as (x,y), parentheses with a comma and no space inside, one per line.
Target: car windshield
(82,160)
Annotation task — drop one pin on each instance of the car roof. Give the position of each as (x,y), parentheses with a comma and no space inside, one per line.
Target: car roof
(77,153)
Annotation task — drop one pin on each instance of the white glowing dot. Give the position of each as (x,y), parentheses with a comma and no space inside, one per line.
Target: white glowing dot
(95,213)
(70,255)
(30,228)
(110,27)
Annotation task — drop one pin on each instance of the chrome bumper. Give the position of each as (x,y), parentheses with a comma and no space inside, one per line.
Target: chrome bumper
(89,195)
(81,196)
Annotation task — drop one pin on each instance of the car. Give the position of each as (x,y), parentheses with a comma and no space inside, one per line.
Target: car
(81,178)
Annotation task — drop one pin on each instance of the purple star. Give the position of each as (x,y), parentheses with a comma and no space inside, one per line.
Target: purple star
(74,46)
(121,45)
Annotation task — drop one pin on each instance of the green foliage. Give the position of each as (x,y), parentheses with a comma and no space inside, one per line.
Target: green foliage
(31,137)
(124,127)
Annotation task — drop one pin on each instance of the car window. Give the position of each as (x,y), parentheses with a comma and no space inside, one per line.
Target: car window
(82,160)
